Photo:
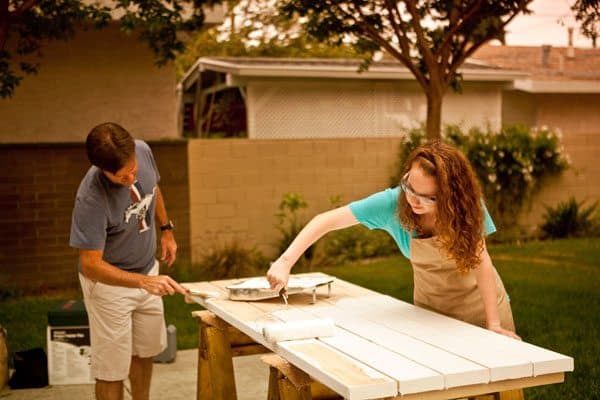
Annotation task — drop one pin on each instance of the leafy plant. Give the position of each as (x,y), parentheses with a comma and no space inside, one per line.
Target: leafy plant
(289,223)
(357,243)
(511,164)
(570,219)
(229,260)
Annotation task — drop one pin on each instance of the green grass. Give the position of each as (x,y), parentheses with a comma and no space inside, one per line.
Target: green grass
(554,288)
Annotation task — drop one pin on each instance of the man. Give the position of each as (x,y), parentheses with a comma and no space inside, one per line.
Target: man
(117,204)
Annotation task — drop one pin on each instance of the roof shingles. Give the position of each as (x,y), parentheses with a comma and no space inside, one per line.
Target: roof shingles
(584,66)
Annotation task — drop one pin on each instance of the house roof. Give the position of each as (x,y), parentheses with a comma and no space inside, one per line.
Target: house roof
(520,65)
(561,74)
(333,68)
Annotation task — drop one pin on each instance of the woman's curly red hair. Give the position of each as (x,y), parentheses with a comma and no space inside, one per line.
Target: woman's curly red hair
(459,219)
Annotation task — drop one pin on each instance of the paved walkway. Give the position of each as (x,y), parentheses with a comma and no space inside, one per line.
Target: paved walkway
(174,381)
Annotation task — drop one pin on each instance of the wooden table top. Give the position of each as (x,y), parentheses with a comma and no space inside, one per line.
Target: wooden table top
(384,347)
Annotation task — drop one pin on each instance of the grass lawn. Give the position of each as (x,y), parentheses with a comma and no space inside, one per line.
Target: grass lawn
(554,289)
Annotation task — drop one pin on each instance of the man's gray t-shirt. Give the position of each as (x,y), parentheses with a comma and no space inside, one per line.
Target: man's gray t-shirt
(118,219)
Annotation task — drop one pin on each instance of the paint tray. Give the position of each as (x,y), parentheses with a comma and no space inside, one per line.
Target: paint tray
(255,289)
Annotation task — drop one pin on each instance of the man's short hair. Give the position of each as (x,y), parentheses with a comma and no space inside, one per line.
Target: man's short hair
(109,146)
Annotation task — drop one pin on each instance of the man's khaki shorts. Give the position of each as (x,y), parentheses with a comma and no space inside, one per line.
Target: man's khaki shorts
(124,322)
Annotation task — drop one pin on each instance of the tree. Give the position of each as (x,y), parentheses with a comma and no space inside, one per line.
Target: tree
(432,38)
(26,24)
(254,29)
(587,13)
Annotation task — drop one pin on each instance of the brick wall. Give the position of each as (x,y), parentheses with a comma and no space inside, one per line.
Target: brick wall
(236,184)
(37,189)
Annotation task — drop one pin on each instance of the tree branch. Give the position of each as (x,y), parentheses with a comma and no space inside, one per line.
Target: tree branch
(374,35)
(399,30)
(421,41)
(462,22)
(24,7)
(4,23)
(464,54)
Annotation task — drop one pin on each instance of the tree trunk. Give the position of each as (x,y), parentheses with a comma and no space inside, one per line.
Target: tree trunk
(435,97)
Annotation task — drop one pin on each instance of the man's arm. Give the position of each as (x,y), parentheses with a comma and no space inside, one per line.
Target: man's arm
(167,239)
(96,269)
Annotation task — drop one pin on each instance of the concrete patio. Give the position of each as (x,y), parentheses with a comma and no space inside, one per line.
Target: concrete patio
(175,381)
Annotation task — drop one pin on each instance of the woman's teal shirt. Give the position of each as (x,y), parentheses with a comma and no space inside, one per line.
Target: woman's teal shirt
(379,211)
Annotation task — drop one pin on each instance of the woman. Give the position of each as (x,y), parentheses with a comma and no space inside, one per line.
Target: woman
(439,222)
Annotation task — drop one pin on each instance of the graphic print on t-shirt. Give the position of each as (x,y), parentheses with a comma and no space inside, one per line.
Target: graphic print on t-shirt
(140,206)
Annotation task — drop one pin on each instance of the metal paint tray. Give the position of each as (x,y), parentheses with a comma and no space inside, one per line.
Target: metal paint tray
(255,289)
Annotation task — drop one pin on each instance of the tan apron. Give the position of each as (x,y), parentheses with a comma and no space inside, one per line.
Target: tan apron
(440,287)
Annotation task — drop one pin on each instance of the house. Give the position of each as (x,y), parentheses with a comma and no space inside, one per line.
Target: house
(343,128)
(556,77)
(326,98)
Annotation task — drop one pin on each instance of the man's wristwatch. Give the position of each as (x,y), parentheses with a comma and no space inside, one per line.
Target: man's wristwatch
(167,227)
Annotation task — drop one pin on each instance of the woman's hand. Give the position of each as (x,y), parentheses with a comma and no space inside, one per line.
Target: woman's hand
(278,274)
(498,329)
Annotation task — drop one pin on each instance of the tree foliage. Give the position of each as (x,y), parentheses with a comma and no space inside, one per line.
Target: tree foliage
(432,38)
(587,12)
(256,29)
(25,25)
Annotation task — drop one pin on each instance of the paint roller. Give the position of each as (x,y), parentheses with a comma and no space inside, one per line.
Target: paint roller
(295,330)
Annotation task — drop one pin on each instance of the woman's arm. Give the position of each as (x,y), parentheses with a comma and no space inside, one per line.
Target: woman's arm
(323,223)
(486,283)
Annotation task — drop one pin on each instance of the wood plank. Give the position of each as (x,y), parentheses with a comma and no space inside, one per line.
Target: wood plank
(378,329)
(350,378)
(411,376)
(492,387)
(457,371)
(358,382)
(401,317)
(543,361)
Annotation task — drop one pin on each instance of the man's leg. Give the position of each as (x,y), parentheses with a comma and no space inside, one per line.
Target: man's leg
(140,374)
(109,390)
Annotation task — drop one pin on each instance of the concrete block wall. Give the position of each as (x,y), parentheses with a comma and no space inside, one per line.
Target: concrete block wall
(37,190)
(581,180)
(217,191)
(236,185)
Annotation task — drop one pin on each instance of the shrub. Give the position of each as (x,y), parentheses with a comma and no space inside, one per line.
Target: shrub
(511,164)
(289,223)
(356,243)
(570,219)
(229,260)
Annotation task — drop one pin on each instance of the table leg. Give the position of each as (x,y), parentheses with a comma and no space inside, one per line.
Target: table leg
(219,342)
(215,363)
(511,395)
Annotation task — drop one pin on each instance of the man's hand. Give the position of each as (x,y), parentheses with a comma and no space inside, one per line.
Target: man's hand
(168,247)
(161,285)
(279,274)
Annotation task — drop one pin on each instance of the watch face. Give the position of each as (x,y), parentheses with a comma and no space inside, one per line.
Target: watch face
(167,227)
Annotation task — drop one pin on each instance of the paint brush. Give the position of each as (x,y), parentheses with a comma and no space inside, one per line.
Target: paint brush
(284,296)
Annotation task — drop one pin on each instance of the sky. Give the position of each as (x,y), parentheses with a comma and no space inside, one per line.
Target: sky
(543,26)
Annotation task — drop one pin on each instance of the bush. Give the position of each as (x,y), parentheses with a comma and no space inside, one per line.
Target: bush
(230,260)
(289,224)
(570,219)
(356,243)
(510,164)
